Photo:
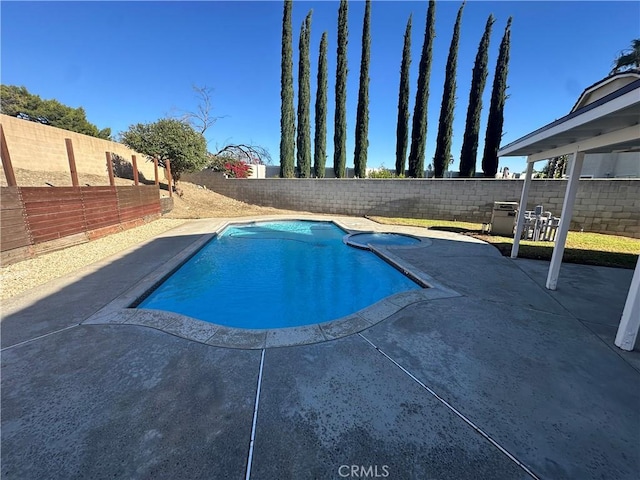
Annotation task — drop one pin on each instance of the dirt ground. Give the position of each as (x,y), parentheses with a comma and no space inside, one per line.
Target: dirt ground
(195,202)
(199,202)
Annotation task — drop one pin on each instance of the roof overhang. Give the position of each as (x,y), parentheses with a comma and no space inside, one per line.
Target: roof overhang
(611,124)
(629,75)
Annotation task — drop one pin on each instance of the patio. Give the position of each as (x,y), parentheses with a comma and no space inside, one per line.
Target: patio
(506,379)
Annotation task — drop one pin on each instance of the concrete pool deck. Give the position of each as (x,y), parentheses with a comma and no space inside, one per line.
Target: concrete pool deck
(505,379)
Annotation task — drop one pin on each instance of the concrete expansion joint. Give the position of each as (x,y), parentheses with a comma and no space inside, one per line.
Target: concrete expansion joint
(618,351)
(255,418)
(544,291)
(325,335)
(452,409)
(40,337)
(566,313)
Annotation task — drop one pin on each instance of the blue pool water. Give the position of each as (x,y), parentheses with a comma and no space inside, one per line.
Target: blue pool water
(277,274)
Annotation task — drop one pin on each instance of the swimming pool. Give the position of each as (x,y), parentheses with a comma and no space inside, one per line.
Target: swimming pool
(364,239)
(269,275)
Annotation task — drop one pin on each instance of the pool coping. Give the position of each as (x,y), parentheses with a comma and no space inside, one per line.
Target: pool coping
(347,239)
(120,311)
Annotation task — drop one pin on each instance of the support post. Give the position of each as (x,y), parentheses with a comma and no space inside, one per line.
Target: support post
(155,171)
(112,181)
(7,166)
(168,164)
(565,220)
(521,210)
(72,162)
(134,163)
(630,321)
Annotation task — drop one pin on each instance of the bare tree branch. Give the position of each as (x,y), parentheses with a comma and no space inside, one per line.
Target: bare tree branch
(252,154)
(202,119)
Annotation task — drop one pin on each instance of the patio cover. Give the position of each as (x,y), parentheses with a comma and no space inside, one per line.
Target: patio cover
(610,124)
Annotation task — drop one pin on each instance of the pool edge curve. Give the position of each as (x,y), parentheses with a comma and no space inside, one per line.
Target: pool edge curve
(122,311)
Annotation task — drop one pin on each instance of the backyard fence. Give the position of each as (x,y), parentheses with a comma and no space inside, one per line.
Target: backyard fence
(34,220)
(603,205)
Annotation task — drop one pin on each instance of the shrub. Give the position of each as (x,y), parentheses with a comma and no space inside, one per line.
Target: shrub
(383,172)
(237,169)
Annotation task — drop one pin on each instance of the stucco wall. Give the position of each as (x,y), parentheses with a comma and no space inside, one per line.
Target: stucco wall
(33,146)
(612,165)
(607,206)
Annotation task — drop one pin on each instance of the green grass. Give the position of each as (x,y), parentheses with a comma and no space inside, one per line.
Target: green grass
(584,248)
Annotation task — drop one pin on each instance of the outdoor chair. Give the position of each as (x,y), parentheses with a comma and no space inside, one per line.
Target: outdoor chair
(539,225)
(550,228)
(529,225)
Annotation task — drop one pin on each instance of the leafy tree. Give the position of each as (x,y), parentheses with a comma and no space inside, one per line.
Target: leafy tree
(287,113)
(169,139)
(445,125)
(561,166)
(362,118)
(628,59)
(340,124)
(549,169)
(469,150)
(18,102)
(419,129)
(320,140)
(402,130)
(304,98)
(555,167)
(496,109)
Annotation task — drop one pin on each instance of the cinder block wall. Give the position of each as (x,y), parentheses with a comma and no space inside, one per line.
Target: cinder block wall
(606,206)
(33,146)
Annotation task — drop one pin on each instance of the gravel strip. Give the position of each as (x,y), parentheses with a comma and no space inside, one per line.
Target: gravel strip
(25,275)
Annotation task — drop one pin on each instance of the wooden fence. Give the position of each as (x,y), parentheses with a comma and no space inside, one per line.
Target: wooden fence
(14,233)
(34,220)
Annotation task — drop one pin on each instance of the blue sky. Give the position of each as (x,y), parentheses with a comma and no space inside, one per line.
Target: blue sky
(130,62)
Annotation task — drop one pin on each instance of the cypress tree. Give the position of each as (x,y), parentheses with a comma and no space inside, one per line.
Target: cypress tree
(362,118)
(419,129)
(469,150)
(402,130)
(340,126)
(304,99)
(496,109)
(287,113)
(320,140)
(445,125)
(551,166)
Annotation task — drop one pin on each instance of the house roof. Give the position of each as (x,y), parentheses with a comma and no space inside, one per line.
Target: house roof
(629,75)
(608,124)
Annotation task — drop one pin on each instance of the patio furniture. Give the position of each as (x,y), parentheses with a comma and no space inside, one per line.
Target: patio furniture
(542,220)
(550,228)
(539,225)
(529,225)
